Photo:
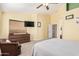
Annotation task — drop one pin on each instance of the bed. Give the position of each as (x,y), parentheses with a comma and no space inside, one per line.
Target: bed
(56,47)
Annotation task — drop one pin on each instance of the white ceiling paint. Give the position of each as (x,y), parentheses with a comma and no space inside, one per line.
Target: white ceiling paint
(28,8)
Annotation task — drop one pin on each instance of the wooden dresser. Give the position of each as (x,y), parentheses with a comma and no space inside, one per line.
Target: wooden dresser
(21,38)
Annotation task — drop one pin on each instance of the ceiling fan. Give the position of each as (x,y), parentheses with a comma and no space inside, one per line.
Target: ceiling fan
(45,4)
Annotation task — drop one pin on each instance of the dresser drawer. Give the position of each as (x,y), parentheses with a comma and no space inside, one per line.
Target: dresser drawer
(20,38)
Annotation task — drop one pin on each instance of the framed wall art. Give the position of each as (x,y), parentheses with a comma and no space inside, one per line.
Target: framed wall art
(71,16)
(38,24)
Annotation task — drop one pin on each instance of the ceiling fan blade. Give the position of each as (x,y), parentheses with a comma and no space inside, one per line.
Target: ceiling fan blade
(47,7)
(39,6)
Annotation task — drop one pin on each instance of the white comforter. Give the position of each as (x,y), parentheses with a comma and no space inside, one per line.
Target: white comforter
(56,47)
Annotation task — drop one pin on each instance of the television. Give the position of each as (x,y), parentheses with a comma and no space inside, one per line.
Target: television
(28,24)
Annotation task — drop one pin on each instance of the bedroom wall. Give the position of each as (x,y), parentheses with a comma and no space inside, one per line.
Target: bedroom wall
(0,23)
(37,33)
(70,29)
(58,17)
(45,20)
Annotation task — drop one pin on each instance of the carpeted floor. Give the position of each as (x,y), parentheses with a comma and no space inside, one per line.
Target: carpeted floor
(26,49)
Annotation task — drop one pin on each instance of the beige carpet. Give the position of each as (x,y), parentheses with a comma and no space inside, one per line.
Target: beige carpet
(26,49)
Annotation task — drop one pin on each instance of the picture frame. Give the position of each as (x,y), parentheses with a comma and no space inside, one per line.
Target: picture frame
(38,24)
(71,16)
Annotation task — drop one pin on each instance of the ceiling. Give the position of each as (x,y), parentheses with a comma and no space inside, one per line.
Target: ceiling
(28,7)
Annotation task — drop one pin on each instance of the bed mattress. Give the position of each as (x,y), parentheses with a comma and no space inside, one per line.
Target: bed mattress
(56,47)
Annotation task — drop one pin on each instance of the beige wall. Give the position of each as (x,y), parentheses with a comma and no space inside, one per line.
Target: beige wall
(1,23)
(70,27)
(37,33)
(58,17)
(45,20)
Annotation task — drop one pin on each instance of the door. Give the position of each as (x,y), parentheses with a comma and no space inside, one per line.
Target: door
(54,31)
(50,31)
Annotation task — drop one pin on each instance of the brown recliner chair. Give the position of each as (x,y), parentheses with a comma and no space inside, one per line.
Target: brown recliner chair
(10,49)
